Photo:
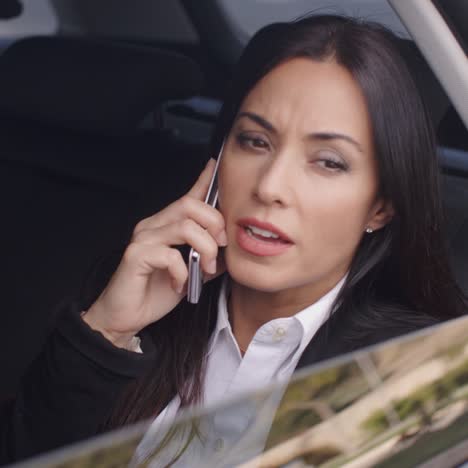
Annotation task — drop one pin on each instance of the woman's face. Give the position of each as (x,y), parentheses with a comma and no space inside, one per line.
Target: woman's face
(298,164)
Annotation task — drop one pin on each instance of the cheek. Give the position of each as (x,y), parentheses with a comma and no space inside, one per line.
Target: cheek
(335,216)
(233,185)
(329,224)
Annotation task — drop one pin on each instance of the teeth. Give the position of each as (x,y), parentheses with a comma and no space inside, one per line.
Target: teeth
(262,232)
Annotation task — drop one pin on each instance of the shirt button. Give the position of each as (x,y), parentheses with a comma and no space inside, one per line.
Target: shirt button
(280,332)
(219,444)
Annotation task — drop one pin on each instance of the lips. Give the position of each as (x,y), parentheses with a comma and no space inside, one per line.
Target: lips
(260,238)
(264,226)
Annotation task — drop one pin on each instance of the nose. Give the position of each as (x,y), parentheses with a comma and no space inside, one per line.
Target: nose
(273,186)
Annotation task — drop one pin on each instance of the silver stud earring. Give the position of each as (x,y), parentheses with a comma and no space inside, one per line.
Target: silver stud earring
(369,230)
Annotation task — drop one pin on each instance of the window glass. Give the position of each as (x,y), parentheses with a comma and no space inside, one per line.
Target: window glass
(456,15)
(402,404)
(37,17)
(248,17)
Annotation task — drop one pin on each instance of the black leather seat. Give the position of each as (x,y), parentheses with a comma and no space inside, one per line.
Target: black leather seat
(77,172)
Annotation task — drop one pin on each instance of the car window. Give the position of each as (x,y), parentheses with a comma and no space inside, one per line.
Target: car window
(35,17)
(64,209)
(456,14)
(436,34)
(246,21)
(399,404)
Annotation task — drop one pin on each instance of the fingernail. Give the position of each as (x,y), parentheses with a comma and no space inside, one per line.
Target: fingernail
(212,267)
(222,238)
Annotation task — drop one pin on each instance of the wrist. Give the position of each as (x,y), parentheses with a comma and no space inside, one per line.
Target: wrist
(126,341)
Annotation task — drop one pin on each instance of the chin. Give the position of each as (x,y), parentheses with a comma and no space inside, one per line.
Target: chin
(254,276)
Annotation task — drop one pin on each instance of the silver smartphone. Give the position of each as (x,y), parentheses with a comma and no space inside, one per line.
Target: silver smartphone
(195,274)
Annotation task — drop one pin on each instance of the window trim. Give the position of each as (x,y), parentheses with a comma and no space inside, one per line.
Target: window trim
(440,47)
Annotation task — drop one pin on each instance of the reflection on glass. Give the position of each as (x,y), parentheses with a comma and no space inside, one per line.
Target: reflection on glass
(401,404)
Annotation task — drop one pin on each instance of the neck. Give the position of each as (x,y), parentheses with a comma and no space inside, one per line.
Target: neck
(249,308)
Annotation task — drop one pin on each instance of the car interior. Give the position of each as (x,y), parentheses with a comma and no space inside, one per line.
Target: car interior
(106,112)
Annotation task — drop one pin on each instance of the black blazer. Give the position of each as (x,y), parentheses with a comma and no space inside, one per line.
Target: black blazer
(69,391)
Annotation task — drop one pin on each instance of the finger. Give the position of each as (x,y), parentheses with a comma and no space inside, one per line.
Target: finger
(186,207)
(183,232)
(220,267)
(200,188)
(178,271)
(146,258)
(175,210)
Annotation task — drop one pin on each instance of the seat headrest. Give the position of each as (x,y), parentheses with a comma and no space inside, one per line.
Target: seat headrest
(91,85)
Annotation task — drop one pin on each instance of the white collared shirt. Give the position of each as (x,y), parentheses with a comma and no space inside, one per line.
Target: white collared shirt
(271,356)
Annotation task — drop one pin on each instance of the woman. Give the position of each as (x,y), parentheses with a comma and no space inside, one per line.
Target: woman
(328,231)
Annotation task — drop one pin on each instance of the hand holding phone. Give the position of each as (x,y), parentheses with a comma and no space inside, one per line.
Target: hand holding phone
(195,274)
(151,277)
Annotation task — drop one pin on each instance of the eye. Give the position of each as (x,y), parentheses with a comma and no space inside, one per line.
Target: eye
(331,162)
(255,142)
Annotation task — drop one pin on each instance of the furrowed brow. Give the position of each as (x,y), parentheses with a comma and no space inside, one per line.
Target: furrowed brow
(324,136)
(259,120)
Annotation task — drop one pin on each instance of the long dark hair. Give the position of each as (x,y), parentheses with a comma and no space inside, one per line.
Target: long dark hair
(400,274)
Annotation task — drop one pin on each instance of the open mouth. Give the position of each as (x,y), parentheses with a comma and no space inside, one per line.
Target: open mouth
(264,235)
(261,241)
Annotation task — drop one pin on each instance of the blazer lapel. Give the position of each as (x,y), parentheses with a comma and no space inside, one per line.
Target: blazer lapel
(318,349)
(328,342)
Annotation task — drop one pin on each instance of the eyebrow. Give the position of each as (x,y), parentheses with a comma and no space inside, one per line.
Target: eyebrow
(258,120)
(325,136)
(322,136)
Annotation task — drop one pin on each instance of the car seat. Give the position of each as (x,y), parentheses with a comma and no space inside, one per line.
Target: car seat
(78,170)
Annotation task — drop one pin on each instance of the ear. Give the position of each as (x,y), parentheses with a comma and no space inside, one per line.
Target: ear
(380,215)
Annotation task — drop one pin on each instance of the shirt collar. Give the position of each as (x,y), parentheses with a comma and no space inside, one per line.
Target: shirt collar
(311,318)
(222,321)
